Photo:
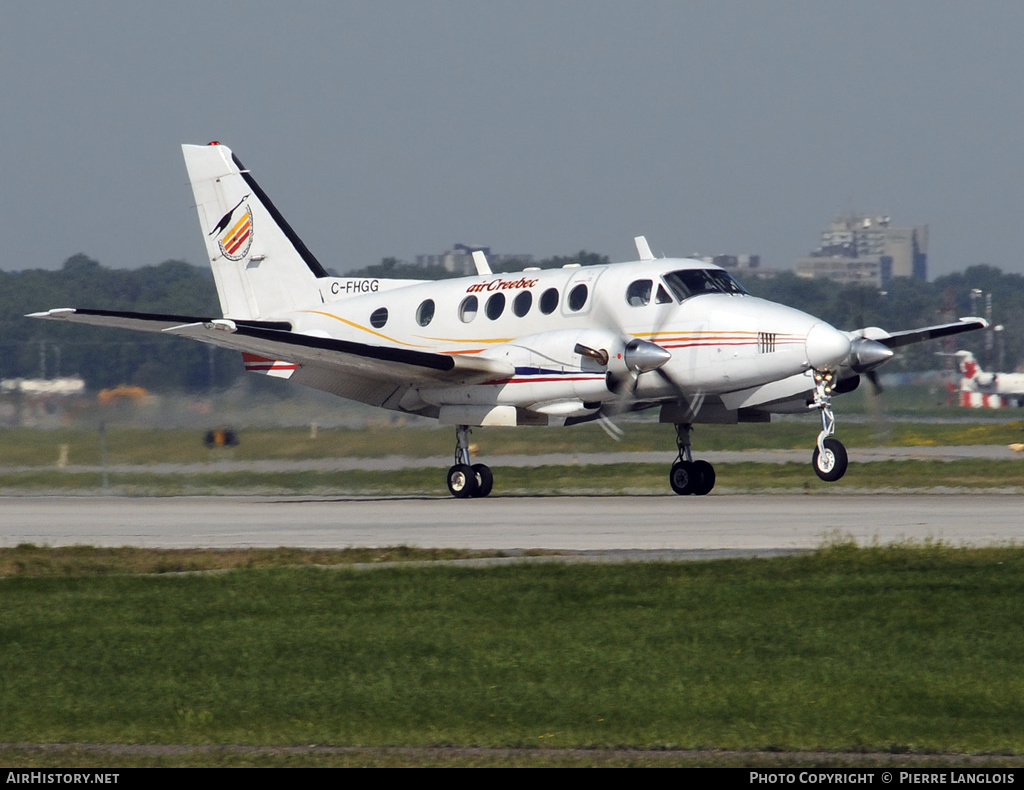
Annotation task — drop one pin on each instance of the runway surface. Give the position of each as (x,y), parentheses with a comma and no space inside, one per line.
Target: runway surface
(741,522)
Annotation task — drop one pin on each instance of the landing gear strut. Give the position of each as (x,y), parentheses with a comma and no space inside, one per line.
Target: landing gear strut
(466,479)
(829,459)
(688,476)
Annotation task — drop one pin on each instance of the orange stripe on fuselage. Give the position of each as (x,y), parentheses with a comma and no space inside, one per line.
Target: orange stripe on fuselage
(363,328)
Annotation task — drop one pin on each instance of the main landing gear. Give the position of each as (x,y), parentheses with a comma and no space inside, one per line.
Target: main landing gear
(688,476)
(464,478)
(829,459)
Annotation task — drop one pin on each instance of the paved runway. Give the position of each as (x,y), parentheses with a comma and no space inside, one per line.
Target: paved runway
(741,522)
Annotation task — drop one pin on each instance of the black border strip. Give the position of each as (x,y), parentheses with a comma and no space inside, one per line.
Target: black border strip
(300,247)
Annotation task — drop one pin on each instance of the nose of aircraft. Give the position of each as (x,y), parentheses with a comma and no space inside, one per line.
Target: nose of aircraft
(826,347)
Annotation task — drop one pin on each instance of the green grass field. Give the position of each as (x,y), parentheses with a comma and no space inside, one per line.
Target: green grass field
(21,447)
(894,649)
(597,480)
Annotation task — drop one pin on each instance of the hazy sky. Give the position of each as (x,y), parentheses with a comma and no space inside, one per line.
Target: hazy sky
(398,127)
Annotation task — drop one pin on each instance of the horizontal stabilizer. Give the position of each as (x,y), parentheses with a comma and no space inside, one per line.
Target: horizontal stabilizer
(274,341)
(142,322)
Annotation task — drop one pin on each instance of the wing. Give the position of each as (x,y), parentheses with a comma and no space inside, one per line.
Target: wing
(368,373)
(910,336)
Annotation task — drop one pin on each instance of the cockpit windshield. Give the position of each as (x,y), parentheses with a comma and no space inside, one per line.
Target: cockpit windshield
(694,282)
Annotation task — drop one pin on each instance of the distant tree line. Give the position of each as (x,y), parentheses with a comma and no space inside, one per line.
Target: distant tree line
(108,357)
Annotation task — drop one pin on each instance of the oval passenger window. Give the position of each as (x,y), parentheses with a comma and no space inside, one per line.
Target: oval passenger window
(578,297)
(549,301)
(468,308)
(425,312)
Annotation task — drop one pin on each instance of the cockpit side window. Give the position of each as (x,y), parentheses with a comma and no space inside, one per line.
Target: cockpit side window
(639,293)
(694,282)
(726,282)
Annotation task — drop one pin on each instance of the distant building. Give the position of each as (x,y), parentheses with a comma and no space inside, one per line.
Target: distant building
(745,266)
(867,250)
(459,259)
(734,262)
(38,401)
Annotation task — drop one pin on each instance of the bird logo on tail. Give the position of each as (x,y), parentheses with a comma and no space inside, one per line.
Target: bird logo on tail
(234,237)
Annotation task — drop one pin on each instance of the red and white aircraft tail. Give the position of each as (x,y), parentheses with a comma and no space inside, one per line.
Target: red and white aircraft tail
(982,390)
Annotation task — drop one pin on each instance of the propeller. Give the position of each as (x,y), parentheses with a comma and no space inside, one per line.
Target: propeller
(865,356)
(637,356)
(625,358)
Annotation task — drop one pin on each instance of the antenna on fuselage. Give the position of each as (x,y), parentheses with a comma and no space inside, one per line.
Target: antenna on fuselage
(482,267)
(643,249)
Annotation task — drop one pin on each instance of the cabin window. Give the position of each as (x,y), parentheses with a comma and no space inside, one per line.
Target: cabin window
(662,297)
(522,303)
(639,293)
(468,308)
(578,297)
(425,312)
(549,301)
(379,317)
(495,306)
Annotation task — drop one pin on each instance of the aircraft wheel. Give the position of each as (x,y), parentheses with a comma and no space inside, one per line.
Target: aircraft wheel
(462,481)
(484,480)
(831,464)
(682,478)
(705,476)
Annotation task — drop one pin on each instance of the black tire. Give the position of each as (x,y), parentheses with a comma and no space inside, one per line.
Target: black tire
(705,474)
(682,478)
(461,481)
(830,465)
(484,480)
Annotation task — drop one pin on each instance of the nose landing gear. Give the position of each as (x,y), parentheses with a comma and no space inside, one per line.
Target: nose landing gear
(829,459)
(466,479)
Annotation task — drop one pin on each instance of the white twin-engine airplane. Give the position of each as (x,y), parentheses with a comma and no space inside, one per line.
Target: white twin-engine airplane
(553,347)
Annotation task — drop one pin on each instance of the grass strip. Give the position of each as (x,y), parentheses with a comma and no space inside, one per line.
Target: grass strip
(32,447)
(610,479)
(28,559)
(892,649)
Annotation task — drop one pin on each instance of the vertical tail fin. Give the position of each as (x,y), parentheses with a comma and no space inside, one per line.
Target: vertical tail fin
(969,367)
(260,266)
